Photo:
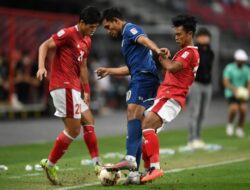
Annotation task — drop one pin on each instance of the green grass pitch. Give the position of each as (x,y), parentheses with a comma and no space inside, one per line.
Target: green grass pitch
(227,169)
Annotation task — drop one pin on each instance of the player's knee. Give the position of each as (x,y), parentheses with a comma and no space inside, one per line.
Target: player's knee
(74,132)
(146,124)
(243,108)
(130,113)
(234,108)
(134,114)
(87,122)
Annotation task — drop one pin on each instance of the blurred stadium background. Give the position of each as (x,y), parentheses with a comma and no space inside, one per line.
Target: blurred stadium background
(25,24)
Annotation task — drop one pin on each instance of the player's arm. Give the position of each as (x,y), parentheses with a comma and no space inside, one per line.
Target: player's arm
(120,71)
(145,41)
(227,84)
(85,81)
(171,66)
(226,80)
(42,53)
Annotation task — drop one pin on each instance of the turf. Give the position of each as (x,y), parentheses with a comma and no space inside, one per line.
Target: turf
(228,176)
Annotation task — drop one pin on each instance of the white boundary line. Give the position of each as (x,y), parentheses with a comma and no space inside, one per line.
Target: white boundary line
(168,171)
(36,173)
(206,165)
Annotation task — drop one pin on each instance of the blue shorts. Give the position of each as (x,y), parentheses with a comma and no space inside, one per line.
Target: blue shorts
(142,92)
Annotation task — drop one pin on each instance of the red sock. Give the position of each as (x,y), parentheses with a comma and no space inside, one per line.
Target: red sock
(89,137)
(151,145)
(60,146)
(145,156)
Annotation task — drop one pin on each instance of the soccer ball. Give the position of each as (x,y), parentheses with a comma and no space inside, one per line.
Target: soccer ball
(109,178)
(242,93)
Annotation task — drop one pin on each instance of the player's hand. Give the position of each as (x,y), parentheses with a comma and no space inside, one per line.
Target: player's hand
(87,98)
(164,53)
(101,72)
(40,73)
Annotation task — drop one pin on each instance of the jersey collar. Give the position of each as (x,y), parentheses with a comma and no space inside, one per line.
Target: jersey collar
(195,47)
(124,27)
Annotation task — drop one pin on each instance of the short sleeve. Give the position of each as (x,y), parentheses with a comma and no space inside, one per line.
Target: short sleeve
(186,58)
(133,32)
(61,37)
(248,74)
(226,73)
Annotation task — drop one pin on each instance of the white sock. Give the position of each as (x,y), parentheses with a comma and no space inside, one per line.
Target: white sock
(50,163)
(95,160)
(130,158)
(156,165)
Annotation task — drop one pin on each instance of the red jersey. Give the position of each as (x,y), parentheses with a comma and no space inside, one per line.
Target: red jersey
(71,49)
(176,85)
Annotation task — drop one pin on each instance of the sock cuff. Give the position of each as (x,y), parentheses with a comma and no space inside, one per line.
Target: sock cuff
(148,131)
(88,125)
(134,121)
(66,137)
(88,128)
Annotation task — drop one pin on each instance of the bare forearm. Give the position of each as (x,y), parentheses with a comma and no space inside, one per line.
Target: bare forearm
(84,75)
(171,66)
(43,49)
(121,71)
(228,85)
(148,43)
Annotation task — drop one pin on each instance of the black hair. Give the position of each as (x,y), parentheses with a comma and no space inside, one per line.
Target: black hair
(203,32)
(90,15)
(187,21)
(111,13)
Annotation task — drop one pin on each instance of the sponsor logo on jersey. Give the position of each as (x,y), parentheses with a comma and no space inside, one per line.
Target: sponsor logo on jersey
(133,31)
(60,33)
(185,54)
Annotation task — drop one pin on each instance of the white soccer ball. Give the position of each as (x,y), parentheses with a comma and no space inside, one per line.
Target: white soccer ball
(242,93)
(108,178)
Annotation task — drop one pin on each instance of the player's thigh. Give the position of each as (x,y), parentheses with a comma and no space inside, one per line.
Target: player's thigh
(243,107)
(233,107)
(152,121)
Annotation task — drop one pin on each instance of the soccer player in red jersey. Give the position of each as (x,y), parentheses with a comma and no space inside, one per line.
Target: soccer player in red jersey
(69,75)
(171,95)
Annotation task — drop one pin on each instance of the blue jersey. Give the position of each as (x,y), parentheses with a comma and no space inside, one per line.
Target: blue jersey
(138,57)
(142,68)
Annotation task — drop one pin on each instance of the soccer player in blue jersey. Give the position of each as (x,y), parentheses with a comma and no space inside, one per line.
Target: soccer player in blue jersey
(137,49)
